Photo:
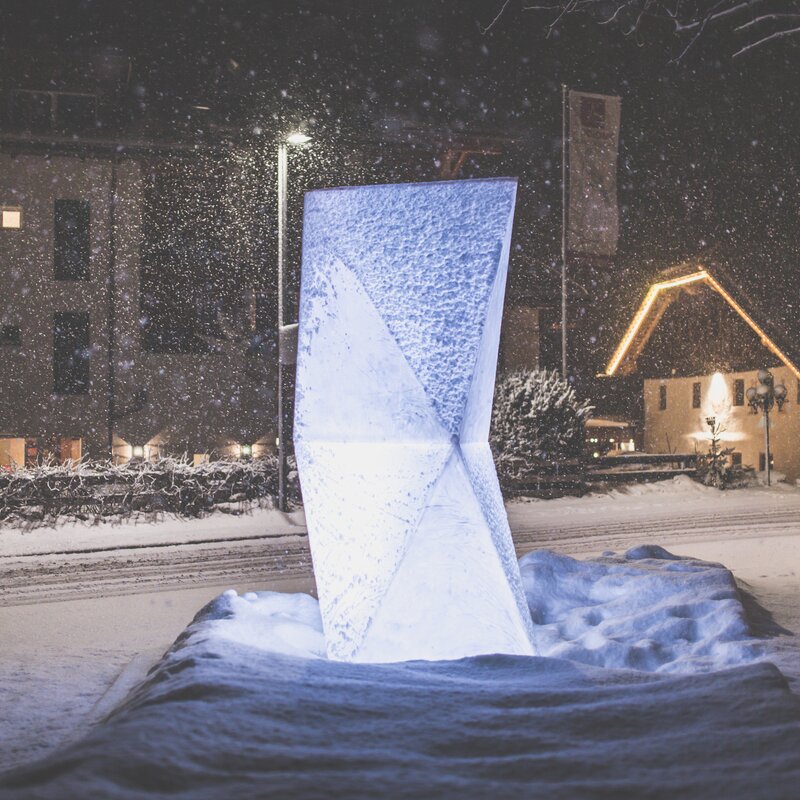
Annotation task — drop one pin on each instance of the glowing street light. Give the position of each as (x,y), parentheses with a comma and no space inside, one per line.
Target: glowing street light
(762,398)
(285,350)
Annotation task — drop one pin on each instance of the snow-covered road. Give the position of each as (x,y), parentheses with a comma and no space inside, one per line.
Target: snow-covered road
(45,566)
(40,578)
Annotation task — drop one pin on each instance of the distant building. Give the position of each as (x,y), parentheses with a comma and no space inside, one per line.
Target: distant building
(137,268)
(705,318)
(76,377)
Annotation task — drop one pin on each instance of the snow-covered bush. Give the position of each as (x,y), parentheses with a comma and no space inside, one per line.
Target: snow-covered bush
(536,417)
(92,489)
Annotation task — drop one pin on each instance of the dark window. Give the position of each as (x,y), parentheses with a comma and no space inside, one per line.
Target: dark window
(32,110)
(662,398)
(10,334)
(738,392)
(76,112)
(71,353)
(695,395)
(736,459)
(71,240)
(593,112)
(762,462)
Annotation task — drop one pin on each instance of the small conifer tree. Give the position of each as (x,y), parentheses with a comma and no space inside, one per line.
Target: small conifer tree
(537,415)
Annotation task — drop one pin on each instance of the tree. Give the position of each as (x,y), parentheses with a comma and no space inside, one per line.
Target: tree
(757,22)
(716,467)
(537,415)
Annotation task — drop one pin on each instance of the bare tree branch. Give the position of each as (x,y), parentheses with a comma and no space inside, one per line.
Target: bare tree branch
(778,35)
(766,18)
(496,19)
(691,20)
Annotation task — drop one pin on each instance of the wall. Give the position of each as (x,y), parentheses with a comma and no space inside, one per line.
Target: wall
(519,341)
(191,402)
(681,428)
(28,406)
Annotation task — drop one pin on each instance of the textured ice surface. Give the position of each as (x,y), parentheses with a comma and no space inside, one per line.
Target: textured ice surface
(400,311)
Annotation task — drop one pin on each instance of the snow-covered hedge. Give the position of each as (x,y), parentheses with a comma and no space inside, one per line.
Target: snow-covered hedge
(89,490)
(536,417)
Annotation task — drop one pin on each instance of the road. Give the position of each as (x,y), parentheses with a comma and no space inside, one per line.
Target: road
(254,560)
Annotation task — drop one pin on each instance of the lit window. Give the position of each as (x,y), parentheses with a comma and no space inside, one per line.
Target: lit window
(11,217)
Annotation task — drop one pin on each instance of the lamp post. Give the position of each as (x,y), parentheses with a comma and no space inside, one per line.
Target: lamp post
(284,331)
(762,398)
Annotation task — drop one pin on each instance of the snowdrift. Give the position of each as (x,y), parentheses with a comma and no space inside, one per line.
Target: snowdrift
(246,705)
(645,610)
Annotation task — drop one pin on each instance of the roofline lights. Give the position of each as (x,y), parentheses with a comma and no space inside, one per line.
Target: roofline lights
(650,298)
(765,340)
(644,310)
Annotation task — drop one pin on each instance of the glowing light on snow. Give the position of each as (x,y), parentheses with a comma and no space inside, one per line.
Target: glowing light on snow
(298,138)
(718,395)
(401,303)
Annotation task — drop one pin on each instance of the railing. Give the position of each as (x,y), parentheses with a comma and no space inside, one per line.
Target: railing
(574,477)
(641,467)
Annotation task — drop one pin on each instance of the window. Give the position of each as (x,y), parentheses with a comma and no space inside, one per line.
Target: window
(662,398)
(71,240)
(71,353)
(32,110)
(695,395)
(738,392)
(10,335)
(75,112)
(736,459)
(11,217)
(67,112)
(593,112)
(762,462)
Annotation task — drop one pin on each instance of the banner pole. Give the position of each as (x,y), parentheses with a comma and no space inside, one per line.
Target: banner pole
(564,230)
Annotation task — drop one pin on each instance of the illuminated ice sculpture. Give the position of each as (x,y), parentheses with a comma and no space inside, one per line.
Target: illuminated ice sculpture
(400,310)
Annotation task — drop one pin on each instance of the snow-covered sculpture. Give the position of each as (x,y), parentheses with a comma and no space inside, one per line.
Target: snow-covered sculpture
(400,311)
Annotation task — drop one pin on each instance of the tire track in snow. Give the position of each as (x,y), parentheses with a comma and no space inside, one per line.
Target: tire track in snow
(54,577)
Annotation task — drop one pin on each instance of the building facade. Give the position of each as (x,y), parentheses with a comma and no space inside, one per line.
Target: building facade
(677,413)
(75,377)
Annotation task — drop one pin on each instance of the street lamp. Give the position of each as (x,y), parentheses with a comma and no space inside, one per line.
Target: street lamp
(762,398)
(286,333)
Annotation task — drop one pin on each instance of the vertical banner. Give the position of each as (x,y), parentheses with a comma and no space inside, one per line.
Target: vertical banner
(593,217)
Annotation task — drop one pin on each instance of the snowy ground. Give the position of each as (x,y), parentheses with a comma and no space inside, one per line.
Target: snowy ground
(59,658)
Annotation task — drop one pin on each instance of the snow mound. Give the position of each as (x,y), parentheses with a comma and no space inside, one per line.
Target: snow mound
(246,704)
(229,712)
(679,485)
(270,621)
(645,610)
